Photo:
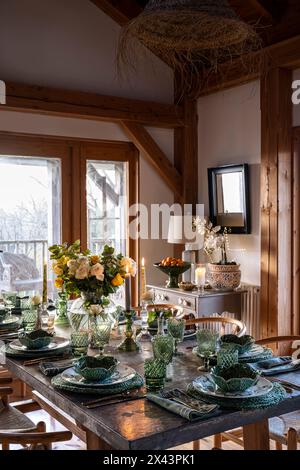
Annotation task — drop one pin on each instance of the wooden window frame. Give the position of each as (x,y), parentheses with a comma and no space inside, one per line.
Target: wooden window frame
(74,154)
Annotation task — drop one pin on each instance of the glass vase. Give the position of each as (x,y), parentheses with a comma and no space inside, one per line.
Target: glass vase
(62,310)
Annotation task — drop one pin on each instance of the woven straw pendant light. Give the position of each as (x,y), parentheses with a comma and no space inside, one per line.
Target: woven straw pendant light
(188,34)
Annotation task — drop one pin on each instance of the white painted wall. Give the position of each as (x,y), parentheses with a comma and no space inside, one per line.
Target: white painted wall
(229,133)
(296,108)
(71,44)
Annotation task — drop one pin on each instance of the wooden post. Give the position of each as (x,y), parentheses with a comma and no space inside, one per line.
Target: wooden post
(186,150)
(276,203)
(256,436)
(296,234)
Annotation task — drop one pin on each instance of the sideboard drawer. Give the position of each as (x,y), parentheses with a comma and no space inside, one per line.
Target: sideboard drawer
(180,299)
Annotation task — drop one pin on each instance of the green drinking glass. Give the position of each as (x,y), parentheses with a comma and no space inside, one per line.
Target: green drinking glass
(155,374)
(176,329)
(79,343)
(207,346)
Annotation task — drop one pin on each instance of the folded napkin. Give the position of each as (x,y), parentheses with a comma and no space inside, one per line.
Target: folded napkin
(275,362)
(281,367)
(201,411)
(56,367)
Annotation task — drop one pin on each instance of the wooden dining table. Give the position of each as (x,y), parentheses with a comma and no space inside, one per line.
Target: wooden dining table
(143,425)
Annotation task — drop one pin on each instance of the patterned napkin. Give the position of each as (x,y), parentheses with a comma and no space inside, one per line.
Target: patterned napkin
(203,410)
(275,396)
(60,384)
(56,367)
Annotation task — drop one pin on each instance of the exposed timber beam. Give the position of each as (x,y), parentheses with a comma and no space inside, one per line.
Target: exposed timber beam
(261,9)
(147,145)
(284,54)
(120,11)
(77,104)
(276,203)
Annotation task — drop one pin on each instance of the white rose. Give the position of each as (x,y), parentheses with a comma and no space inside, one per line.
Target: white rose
(83,261)
(73,266)
(98,271)
(128,265)
(82,272)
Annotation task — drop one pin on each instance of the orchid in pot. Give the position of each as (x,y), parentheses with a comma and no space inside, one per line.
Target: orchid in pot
(222,274)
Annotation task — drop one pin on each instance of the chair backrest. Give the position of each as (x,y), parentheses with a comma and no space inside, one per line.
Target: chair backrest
(39,440)
(286,344)
(223,325)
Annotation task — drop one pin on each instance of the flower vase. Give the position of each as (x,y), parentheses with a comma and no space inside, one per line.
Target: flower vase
(129,344)
(62,309)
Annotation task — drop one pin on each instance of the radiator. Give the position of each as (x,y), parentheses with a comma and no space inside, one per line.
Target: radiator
(251,309)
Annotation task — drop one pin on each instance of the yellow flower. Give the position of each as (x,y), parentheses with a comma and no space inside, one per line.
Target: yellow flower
(95,259)
(64,259)
(117,280)
(58,270)
(59,282)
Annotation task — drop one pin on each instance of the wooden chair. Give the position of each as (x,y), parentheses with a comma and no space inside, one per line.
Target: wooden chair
(285,429)
(224,325)
(17,428)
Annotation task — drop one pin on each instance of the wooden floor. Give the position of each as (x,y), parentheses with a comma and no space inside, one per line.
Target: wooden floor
(76,444)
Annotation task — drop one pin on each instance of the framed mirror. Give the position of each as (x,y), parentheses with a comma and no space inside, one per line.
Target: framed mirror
(228,188)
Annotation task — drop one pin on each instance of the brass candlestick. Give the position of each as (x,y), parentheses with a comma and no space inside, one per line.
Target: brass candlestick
(129,344)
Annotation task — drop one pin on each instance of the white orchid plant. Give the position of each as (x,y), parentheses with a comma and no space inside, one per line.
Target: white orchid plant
(214,239)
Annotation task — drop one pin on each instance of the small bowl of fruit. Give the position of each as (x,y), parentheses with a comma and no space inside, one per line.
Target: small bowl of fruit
(173,267)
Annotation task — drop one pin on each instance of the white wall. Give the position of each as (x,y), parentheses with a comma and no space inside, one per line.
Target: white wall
(229,133)
(71,44)
(296,108)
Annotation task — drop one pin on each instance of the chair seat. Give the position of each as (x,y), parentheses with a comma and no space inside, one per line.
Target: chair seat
(280,425)
(12,420)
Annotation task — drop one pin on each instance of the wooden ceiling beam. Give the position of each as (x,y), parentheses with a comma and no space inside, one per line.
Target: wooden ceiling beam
(250,67)
(262,10)
(77,104)
(147,145)
(120,11)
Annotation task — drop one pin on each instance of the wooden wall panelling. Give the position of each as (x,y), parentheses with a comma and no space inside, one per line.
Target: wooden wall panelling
(276,218)
(81,105)
(296,234)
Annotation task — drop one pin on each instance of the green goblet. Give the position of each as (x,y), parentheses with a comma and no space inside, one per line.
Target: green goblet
(207,346)
(176,329)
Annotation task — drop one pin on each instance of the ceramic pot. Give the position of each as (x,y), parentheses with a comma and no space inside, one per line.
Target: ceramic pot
(224,276)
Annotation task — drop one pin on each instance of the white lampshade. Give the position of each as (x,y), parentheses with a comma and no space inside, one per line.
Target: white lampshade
(176,230)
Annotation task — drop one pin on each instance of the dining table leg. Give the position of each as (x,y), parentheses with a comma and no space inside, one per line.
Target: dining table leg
(94,442)
(256,436)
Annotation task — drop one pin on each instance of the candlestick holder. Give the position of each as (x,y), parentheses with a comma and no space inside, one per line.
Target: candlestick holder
(129,344)
(62,310)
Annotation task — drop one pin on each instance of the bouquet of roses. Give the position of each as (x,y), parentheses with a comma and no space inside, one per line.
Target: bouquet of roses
(93,276)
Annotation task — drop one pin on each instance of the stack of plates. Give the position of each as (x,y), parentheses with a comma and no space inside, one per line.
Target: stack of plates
(10,322)
(124,378)
(56,348)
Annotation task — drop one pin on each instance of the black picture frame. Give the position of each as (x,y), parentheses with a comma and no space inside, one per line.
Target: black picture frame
(212,193)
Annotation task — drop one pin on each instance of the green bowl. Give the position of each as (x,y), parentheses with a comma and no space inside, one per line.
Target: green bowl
(173,272)
(96,368)
(236,378)
(37,339)
(242,343)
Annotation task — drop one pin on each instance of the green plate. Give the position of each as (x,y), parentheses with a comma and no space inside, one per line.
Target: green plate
(207,387)
(122,374)
(55,345)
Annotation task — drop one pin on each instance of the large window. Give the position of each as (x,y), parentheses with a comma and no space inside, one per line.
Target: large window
(106,205)
(30,219)
(55,190)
